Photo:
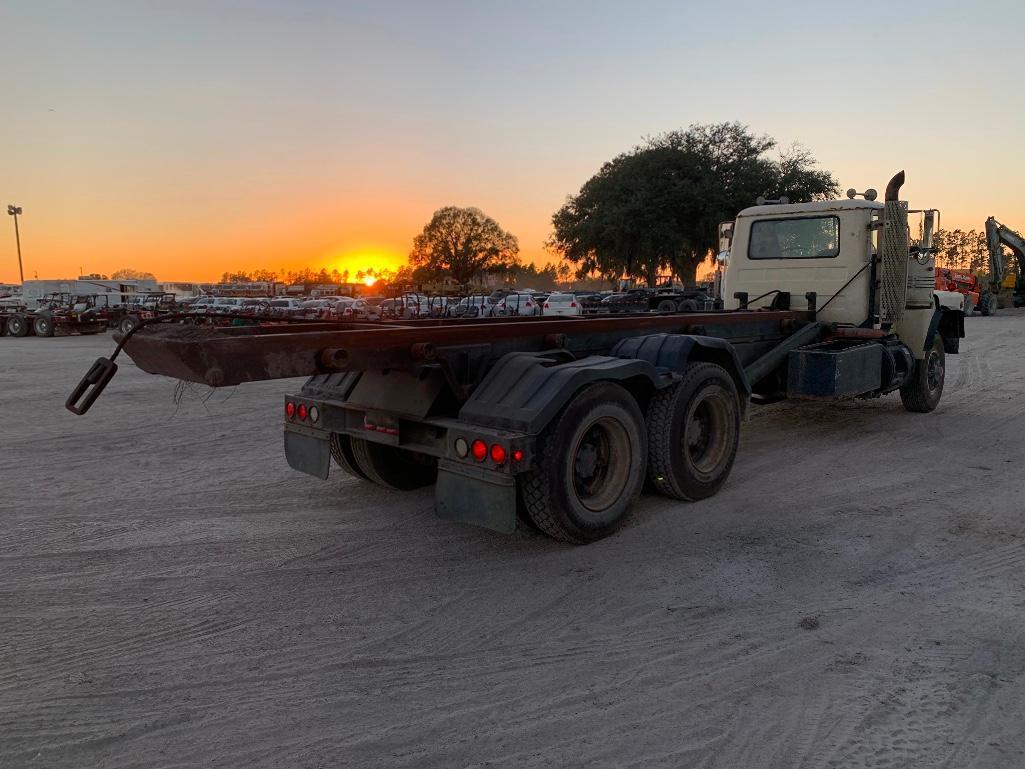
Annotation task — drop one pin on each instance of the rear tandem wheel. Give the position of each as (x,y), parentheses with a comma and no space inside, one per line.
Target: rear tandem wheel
(590,466)
(17,325)
(42,324)
(693,433)
(392,467)
(341,451)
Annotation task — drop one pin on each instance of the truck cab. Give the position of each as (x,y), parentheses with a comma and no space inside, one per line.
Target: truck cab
(793,249)
(824,257)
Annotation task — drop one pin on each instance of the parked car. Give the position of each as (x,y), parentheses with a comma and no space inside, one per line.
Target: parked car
(437,306)
(253,306)
(634,300)
(360,309)
(405,306)
(225,305)
(518,304)
(473,306)
(338,304)
(562,304)
(315,309)
(282,308)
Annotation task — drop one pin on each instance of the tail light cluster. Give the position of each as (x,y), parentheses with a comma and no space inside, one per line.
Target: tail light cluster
(480,451)
(300,412)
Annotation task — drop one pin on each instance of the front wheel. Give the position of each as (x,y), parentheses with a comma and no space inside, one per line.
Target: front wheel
(988,305)
(590,466)
(128,323)
(923,390)
(693,433)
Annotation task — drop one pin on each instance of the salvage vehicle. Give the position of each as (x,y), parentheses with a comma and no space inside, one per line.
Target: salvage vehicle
(56,313)
(562,420)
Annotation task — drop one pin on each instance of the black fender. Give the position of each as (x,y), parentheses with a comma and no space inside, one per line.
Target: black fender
(949,324)
(674,352)
(524,391)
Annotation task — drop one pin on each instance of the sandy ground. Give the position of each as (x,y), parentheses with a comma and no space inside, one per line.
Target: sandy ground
(171,594)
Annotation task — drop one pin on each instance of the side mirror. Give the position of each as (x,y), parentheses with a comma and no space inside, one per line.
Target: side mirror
(929,222)
(725,236)
(722,258)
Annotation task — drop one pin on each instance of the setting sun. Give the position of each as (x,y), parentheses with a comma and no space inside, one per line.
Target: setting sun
(369,280)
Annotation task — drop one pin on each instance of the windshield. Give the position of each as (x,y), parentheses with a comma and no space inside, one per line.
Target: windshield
(811,237)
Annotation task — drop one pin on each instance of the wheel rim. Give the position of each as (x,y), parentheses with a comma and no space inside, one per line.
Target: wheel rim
(705,439)
(601,464)
(934,371)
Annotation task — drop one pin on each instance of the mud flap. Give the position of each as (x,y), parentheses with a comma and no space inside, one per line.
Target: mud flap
(308,454)
(468,495)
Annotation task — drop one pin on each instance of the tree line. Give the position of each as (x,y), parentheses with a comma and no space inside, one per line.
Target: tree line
(965,250)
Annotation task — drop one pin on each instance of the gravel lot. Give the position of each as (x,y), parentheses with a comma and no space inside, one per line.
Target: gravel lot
(171,594)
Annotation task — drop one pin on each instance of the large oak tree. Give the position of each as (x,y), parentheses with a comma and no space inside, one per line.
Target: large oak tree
(657,207)
(462,242)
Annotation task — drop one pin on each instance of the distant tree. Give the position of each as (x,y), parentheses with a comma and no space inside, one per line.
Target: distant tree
(462,242)
(658,206)
(265,276)
(962,250)
(127,273)
(305,275)
(236,277)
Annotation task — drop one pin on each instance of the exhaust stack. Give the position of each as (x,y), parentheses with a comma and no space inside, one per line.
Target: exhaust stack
(893,253)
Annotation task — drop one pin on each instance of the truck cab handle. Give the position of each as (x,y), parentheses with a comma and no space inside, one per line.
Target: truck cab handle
(92,384)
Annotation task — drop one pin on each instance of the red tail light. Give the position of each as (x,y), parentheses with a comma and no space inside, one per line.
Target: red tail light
(498,453)
(547,306)
(572,304)
(479,449)
(517,455)
(290,410)
(302,411)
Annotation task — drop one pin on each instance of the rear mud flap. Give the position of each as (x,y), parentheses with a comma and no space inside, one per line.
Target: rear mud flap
(472,497)
(308,453)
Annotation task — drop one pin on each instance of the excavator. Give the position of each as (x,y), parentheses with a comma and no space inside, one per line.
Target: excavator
(1005,288)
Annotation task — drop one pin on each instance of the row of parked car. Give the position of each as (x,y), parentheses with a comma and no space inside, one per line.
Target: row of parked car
(410,305)
(499,303)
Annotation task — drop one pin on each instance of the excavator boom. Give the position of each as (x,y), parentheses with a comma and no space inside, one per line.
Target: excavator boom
(997,236)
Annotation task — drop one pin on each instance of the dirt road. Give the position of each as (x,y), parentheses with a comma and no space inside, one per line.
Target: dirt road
(172,595)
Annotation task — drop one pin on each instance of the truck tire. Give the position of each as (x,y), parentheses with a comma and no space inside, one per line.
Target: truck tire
(988,305)
(590,466)
(666,305)
(392,467)
(969,308)
(689,305)
(42,325)
(341,451)
(17,325)
(693,433)
(128,323)
(923,391)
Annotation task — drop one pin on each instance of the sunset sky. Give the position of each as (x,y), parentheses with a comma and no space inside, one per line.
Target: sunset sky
(190,138)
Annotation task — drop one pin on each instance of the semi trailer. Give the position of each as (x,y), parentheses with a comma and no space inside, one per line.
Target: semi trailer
(559,422)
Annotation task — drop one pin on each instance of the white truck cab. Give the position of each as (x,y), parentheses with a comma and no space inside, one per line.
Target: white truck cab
(824,256)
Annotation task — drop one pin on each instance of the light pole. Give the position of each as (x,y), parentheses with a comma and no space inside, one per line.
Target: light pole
(14,211)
